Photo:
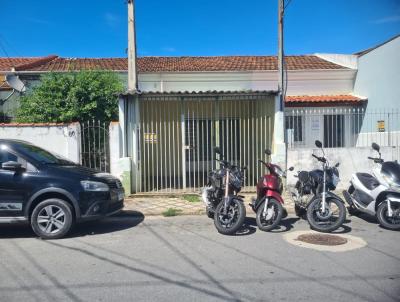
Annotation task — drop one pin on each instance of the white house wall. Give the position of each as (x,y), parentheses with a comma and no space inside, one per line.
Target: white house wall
(63,139)
(317,82)
(349,61)
(378,77)
(300,82)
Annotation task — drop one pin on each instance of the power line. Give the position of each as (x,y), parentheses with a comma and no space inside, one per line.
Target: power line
(4,49)
(10,46)
(287,4)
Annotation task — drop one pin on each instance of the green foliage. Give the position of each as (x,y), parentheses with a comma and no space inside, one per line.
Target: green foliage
(191,198)
(171,212)
(67,97)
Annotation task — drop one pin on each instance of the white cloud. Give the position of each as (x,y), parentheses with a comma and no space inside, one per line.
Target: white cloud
(388,19)
(111,19)
(168,49)
(39,21)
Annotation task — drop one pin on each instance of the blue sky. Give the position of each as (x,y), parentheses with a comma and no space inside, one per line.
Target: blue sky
(83,28)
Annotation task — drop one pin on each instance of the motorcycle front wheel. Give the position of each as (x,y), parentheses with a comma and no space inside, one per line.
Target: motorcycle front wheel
(392,223)
(328,221)
(231,222)
(272,216)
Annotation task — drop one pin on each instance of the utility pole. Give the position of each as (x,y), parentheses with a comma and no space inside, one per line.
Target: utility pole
(280,146)
(132,67)
(280,54)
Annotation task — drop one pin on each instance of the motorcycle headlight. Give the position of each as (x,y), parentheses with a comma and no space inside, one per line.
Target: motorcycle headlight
(94,186)
(390,182)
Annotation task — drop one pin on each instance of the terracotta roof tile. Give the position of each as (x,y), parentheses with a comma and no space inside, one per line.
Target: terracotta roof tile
(6,64)
(172,64)
(321,100)
(35,63)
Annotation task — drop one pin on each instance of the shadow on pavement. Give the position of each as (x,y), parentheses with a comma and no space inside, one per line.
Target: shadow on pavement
(343,229)
(250,226)
(371,219)
(366,217)
(122,221)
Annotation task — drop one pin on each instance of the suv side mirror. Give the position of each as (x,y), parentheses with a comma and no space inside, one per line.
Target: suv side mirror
(318,144)
(12,166)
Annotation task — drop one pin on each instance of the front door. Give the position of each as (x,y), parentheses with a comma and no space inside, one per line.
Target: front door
(199,143)
(201,136)
(14,186)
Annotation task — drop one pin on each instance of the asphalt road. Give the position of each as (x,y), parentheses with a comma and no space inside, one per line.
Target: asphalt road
(132,258)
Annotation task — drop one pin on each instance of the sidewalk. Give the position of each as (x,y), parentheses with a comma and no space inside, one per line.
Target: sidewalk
(182,204)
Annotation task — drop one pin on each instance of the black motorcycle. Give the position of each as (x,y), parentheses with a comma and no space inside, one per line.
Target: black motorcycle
(312,196)
(221,199)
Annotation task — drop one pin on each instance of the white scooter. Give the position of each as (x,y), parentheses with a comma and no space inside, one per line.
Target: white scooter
(378,194)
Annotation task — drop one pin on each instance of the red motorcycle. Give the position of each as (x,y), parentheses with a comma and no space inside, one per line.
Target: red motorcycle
(269,203)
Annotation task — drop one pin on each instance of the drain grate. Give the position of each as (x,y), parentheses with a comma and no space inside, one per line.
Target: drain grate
(322,239)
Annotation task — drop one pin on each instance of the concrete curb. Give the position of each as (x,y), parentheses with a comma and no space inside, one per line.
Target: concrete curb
(198,209)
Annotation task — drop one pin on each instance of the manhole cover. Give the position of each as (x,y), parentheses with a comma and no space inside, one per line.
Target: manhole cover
(322,239)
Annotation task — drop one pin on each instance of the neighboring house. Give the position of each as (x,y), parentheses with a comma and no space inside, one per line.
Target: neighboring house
(188,105)
(377,78)
(8,96)
(378,74)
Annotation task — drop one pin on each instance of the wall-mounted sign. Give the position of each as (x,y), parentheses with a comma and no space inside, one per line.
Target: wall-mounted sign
(381,126)
(150,138)
(315,123)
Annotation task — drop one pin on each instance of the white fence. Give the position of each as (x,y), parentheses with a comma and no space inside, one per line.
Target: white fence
(352,160)
(342,127)
(63,139)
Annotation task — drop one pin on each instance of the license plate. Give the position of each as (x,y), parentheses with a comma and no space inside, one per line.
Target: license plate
(121,195)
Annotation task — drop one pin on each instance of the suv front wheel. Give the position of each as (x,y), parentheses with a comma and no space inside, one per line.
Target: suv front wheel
(52,219)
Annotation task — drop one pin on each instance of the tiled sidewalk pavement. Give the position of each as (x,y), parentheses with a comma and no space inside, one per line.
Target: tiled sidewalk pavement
(155,204)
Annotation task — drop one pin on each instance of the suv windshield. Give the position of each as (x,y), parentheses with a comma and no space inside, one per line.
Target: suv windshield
(42,156)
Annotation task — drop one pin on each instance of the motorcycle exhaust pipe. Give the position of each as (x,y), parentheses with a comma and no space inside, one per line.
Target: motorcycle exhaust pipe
(348,198)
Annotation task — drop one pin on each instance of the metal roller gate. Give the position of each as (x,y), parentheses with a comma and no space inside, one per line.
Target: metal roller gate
(176,135)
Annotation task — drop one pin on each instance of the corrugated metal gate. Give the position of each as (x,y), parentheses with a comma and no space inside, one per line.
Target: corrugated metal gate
(177,134)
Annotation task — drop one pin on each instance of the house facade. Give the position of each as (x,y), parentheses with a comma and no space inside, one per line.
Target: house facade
(188,105)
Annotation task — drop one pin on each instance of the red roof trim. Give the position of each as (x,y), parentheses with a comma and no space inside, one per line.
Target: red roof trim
(323,100)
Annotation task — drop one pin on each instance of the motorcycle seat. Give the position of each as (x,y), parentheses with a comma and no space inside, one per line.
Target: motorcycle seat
(368,180)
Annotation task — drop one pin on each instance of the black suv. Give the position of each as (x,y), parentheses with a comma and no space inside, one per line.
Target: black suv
(50,192)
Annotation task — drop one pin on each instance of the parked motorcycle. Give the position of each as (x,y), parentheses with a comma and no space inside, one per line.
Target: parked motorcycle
(221,199)
(268,204)
(378,194)
(312,195)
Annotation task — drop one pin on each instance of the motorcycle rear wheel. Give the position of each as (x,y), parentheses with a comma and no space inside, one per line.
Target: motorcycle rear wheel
(265,224)
(391,223)
(325,224)
(230,223)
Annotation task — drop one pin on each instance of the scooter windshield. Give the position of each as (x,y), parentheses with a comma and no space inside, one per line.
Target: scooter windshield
(391,170)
